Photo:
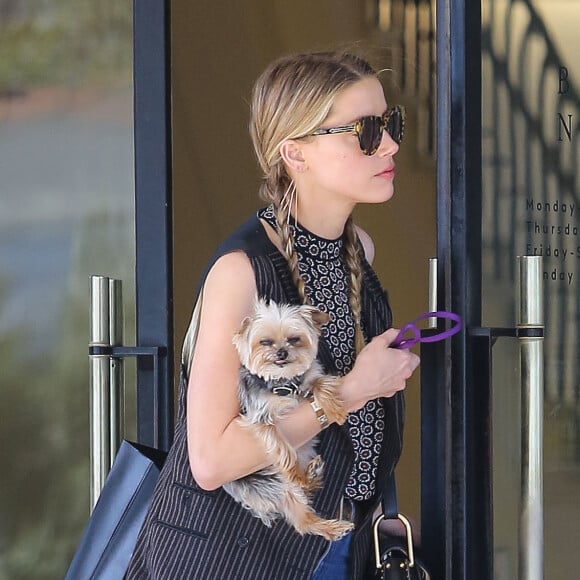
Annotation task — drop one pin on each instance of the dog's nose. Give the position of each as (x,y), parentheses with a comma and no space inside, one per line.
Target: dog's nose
(282,354)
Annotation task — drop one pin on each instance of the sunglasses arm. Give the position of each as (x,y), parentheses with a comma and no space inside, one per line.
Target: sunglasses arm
(333,130)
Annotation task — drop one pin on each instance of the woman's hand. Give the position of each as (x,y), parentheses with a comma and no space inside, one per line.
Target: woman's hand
(379,371)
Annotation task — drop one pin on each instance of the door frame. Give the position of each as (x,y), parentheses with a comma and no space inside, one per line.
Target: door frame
(153,220)
(456,413)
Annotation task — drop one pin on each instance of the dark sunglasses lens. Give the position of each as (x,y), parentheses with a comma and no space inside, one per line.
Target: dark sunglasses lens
(370,134)
(395,126)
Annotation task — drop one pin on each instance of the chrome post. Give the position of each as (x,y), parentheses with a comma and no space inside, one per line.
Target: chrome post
(117,374)
(99,366)
(530,317)
(432,322)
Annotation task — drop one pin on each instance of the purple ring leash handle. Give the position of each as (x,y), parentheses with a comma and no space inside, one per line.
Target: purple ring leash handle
(404,341)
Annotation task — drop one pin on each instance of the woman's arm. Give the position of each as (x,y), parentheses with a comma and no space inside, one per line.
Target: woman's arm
(220,450)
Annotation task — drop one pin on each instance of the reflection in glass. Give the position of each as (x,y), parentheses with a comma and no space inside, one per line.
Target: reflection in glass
(66,212)
(531,150)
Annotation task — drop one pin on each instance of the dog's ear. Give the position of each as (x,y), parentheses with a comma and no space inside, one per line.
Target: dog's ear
(319,318)
(240,336)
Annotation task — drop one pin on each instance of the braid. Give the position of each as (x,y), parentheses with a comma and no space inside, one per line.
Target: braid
(353,264)
(275,188)
(282,214)
(274,181)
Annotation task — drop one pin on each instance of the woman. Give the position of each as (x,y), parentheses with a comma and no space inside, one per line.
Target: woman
(320,127)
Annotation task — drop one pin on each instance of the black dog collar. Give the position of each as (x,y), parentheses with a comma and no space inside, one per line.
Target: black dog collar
(280,387)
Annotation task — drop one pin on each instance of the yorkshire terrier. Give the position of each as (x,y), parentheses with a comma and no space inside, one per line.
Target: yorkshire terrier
(277,348)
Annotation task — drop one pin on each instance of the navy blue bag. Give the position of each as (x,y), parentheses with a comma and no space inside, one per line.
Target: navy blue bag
(110,536)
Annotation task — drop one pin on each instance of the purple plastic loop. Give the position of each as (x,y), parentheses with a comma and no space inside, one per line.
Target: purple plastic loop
(404,341)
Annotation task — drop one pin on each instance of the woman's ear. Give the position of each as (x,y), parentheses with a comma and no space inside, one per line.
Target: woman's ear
(292,155)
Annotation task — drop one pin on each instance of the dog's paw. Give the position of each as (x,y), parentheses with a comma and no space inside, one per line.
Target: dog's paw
(314,469)
(333,530)
(325,391)
(297,476)
(314,474)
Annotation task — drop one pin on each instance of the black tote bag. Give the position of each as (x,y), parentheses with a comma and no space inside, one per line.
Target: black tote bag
(110,536)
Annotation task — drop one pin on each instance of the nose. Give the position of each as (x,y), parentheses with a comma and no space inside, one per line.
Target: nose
(388,146)
(282,354)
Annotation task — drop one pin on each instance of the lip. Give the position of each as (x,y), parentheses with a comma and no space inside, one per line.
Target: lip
(388,172)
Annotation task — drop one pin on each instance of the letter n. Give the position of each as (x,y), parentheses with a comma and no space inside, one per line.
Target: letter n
(567,128)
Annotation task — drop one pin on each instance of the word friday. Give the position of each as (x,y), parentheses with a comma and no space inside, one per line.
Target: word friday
(550,251)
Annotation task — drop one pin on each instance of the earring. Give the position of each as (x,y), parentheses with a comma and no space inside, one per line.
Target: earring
(290,198)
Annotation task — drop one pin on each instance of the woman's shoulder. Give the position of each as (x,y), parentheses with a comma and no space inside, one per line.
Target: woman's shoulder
(230,267)
(247,241)
(367,244)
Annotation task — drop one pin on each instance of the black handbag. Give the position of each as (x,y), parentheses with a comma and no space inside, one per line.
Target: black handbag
(110,536)
(395,558)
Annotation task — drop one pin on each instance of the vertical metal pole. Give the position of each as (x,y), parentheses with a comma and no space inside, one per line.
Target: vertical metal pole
(153,216)
(432,322)
(117,380)
(99,387)
(530,317)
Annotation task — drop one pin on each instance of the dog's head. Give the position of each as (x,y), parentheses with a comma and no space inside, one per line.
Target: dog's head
(279,341)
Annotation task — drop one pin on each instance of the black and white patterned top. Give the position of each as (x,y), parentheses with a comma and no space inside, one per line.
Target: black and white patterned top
(322,267)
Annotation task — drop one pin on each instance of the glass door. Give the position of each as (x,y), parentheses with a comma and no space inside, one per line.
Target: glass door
(508,186)
(86,190)
(66,211)
(531,191)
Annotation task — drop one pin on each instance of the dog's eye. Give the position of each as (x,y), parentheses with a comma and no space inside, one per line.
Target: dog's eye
(266,342)
(293,340)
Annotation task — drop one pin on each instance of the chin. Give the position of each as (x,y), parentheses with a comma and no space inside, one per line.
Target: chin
(379,196)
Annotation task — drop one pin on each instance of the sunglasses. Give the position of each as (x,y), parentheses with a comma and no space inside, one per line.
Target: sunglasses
(370,129)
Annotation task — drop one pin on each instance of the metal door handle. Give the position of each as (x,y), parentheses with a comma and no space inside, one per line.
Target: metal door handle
(100,378)
(432,307)
(106,379)
(117,370)
(529,331)
(530,317)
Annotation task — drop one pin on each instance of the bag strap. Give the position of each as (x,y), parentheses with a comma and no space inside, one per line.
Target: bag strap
(389,499)
(191,334)
(391,512)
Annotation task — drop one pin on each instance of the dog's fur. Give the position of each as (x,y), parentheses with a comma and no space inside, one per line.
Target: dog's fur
(277,348)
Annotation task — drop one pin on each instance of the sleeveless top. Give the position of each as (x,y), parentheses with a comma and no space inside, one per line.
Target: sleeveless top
(322,266)
(194,534)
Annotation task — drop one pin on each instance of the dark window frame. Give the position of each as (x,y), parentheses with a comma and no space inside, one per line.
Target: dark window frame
(153,219)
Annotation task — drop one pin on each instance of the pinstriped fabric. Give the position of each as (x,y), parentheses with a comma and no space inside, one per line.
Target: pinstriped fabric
(192,534)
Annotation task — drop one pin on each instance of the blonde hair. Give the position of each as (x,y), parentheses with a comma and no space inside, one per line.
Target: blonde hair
(290,100)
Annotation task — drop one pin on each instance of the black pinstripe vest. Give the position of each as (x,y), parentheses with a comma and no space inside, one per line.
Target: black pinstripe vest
(193,534)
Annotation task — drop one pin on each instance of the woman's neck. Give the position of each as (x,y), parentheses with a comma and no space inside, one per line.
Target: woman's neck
(326,220)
